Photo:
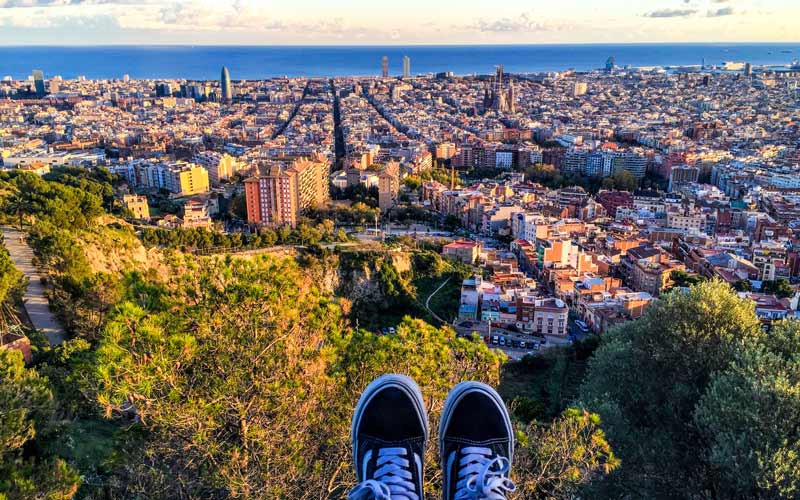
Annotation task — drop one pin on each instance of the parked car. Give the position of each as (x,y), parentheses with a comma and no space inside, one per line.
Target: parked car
(522,344)
(495,340)
(502,341)
(515,344)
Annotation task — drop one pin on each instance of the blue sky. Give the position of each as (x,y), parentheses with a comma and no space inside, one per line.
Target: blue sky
(266,22)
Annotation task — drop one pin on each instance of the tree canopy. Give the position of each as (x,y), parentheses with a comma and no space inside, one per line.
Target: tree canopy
(27,413)
(780,288)
(670,387)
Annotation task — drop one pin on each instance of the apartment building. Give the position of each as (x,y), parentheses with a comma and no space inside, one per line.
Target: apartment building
(138,206)
(687,221)
(186,179)
(654,275)
(283,190)
(195,214)
(178,177)
(462,250)
(388,186)
(220,166)
(544,316)
(770,258)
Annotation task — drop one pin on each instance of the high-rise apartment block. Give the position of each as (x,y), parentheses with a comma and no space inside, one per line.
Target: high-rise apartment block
(220,166)
(406,66)
(385,66)
(185,179)
(281,191)
(178,177)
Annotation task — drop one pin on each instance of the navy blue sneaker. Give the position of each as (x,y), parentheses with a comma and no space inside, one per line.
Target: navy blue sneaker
(476,441)
(389,433)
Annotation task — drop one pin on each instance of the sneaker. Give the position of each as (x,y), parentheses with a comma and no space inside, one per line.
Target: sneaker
(476,441)
(390,429)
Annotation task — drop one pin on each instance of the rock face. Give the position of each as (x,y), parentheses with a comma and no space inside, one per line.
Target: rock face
(371,278)
(401,261)
(113,247)
(357,277)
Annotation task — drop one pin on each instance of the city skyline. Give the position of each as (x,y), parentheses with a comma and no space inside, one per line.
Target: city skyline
(245,22)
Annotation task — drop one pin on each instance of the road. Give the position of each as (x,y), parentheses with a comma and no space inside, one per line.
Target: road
(428,301)
(466,328)
(277,249)
(36,304)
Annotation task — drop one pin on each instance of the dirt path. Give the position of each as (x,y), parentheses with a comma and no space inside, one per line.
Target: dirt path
(36,304)
(428,302)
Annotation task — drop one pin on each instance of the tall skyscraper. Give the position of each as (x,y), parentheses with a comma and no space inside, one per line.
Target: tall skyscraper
(385,66)
(38,81)
(225,83)
(406,66)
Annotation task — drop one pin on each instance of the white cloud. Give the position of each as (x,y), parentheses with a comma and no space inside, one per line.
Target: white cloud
(724,11)
(665,13)
(240,16)
(524,23)
(320,21)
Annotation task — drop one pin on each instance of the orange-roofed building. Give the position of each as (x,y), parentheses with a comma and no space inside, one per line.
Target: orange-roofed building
(465,251)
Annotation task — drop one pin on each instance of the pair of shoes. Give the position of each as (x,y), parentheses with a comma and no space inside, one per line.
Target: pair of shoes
(390,431)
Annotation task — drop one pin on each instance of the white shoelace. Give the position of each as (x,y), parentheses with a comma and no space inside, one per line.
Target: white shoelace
(481,477)
(392,479)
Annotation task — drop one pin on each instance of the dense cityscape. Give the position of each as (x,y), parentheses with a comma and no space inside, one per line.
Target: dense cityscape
(607,184)
(535,215)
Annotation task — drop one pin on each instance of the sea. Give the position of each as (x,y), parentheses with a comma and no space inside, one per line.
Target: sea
(257,62)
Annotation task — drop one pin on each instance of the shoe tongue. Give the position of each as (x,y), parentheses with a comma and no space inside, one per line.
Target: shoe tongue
(496,446)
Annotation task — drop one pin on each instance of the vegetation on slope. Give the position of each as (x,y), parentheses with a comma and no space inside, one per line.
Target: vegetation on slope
(219,377)
(27,421)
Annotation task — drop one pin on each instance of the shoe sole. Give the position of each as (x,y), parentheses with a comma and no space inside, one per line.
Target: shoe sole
(402,382)
(455,396)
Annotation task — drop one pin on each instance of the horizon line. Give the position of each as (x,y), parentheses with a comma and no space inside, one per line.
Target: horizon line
(392,45)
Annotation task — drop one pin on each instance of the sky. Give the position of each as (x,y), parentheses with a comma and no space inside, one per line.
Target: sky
(378,22)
